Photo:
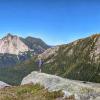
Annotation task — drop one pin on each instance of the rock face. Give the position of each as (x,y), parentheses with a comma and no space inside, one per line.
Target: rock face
(14,49)
(12,45)
(2,85)
(49,52)
(81,91)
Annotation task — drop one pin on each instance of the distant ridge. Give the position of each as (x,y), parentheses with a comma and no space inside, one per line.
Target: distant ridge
(12,44)
(15,49)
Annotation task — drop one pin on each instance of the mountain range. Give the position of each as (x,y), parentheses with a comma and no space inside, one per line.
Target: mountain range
(78,60)
(68,72)
(14,49)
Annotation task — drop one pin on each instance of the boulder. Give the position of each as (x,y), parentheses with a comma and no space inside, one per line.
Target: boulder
(3,85)
(78,89)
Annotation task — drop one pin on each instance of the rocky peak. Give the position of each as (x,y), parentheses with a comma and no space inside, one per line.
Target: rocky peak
(12,44)
(9,35)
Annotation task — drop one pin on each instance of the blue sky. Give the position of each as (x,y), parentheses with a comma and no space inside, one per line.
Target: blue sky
(54,21)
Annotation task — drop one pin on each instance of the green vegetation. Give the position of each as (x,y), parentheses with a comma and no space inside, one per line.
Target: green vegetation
(74,61)
(35,44)
(14,75)
(29,92)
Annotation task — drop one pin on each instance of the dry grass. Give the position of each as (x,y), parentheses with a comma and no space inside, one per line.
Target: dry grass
(28,92)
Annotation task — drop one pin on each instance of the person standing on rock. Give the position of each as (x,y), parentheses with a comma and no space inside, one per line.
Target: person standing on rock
(40,64)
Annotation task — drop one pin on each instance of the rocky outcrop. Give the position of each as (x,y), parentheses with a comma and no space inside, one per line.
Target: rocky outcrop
(80,90)
(15,49)
(12,45)
(49,52)
(2,85)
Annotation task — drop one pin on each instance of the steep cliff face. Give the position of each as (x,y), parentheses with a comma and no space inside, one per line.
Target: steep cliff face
(14,49)
(12,45)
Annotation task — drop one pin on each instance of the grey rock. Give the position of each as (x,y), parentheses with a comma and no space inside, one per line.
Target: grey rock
(81,91)
(2,84)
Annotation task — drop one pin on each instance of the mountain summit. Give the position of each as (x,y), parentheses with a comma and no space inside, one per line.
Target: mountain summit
(12,44)
(15,49)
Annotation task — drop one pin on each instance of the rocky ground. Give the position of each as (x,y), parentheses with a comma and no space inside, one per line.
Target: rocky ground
(49,87)
(80,90)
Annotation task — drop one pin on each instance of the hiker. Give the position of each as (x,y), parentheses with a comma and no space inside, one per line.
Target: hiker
(40,64)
